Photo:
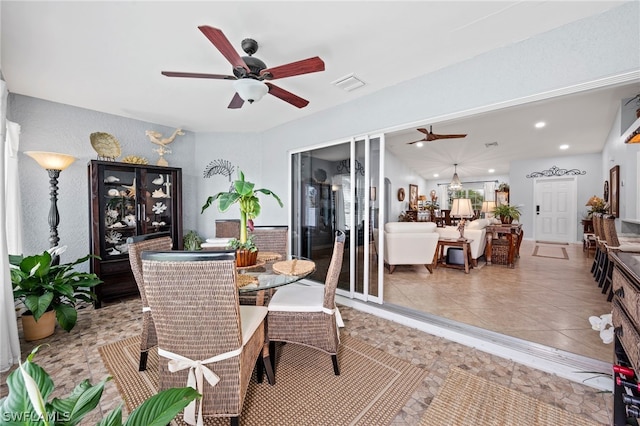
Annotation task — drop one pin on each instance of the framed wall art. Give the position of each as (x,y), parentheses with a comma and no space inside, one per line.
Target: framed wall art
(413,197)
(614,191)
(502,197)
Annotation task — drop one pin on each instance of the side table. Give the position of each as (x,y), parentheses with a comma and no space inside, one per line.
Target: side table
(466,253)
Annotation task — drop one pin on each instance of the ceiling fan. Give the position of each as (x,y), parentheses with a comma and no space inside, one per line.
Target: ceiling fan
(432,136)
(250,72)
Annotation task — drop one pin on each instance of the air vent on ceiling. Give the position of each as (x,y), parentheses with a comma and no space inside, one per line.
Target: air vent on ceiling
(348,82)
(491,144)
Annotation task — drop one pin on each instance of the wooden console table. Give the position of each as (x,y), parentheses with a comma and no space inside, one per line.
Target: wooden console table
(513,233)
(466,253)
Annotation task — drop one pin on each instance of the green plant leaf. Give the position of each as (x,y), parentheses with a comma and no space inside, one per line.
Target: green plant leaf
(82,400)
(66,315)
(16,408)
(161,408)
(114,418)
(267,192)
(38,305)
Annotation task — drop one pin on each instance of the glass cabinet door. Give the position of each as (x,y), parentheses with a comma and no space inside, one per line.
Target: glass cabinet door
(117,196)
(156,200)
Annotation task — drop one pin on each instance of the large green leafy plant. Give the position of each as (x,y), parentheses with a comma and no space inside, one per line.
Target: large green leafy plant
(41,285)
(507,211)
(30,387)
(246,196)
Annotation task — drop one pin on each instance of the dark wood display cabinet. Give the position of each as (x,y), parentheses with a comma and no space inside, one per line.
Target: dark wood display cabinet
(127,200)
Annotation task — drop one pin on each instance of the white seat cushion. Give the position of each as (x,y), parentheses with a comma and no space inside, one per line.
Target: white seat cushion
(297,298)
(250,318)
(216,243)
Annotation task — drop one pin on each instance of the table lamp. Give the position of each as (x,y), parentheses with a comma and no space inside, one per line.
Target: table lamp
(462,209)
(487,208)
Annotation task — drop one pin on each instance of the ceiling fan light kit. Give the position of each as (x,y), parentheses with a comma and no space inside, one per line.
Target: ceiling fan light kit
(249,71)
(250,90)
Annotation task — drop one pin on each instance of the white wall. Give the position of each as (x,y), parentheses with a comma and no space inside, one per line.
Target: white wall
(522,192)
(401,176)
(616,152)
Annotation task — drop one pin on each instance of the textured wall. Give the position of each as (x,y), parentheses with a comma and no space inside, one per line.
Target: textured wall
(49,126)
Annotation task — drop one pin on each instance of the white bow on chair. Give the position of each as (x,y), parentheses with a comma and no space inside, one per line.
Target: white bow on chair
(195,379)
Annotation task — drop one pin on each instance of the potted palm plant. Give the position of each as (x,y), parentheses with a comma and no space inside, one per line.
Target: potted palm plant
(507,213)
(49,291)
(244,193)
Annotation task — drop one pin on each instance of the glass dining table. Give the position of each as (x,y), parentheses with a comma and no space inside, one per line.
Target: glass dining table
(266,275)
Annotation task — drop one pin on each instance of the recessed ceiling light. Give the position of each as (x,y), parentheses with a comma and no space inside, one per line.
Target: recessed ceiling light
(565,146)
(492,170)
(419,144)
(435,175)
(540,124)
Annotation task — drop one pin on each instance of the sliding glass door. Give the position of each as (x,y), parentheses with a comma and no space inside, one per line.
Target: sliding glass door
(336,187)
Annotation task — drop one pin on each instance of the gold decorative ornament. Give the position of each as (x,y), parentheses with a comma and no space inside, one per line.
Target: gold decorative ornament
(156,138)
(134,159)
(106,145)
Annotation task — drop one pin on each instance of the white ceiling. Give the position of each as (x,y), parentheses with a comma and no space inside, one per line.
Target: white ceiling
(107,56)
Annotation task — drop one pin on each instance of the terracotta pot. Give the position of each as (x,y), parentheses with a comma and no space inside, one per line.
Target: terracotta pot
(506,220)
(36,330)
(246,257)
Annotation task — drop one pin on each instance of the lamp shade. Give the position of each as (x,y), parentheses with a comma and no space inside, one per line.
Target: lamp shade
(51,160)
(461,207)
(488,206)
(250,90)
(593,201)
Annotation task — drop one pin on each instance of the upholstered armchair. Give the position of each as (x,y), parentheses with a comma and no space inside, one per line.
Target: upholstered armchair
(410,243)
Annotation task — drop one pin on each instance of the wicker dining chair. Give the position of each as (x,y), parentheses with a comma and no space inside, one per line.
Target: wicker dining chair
(160,241)
(271,239)
(200,325)
(228,228)
(307,315)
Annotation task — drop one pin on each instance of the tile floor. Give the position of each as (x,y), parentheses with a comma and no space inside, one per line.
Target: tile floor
(73,356)
(546,300)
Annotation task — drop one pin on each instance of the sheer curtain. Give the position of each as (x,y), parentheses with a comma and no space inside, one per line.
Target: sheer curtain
(490,191)
(443,196)
(9,342)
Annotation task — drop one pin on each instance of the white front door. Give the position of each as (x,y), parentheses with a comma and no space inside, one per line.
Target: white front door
(555,209)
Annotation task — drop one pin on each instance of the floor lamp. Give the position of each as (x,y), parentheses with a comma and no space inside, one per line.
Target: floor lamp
(53,163)
(461,208)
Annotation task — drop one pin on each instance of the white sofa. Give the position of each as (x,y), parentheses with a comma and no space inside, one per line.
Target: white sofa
(473,230)
(410,243)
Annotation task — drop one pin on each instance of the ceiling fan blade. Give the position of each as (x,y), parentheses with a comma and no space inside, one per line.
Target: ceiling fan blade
(447,136)
(421,140)
(304,66)
(236,102)
(425,131)
(221,42)
(289,97)
(198,75)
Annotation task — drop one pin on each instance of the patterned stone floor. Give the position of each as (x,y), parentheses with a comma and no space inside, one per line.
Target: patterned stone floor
(72,357)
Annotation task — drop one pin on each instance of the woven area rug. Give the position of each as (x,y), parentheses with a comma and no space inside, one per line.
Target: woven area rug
(371,388)
(552,252)
(469,400)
